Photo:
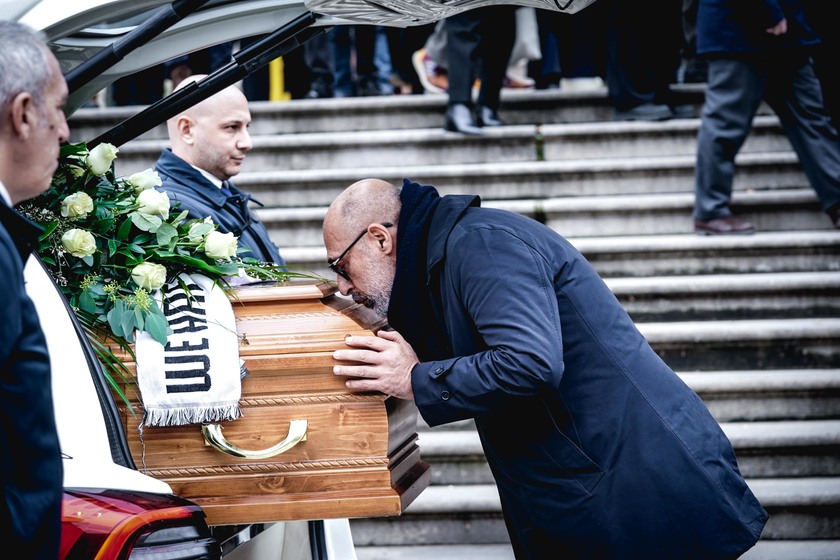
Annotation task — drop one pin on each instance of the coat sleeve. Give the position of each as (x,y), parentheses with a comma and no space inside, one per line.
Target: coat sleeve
(502,320)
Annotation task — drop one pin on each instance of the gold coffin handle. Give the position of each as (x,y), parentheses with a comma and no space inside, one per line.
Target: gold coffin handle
(214,438)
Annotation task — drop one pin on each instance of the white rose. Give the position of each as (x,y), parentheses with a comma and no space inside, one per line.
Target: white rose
(144,180)
(77,205)
(154,203)
(149,275)
(100,158)
(79,242)
(220,245)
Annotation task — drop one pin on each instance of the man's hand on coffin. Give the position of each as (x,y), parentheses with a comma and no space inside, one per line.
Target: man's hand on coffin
(384,364)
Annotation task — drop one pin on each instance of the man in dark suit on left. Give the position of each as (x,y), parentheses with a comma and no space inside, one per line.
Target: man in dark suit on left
(32,126)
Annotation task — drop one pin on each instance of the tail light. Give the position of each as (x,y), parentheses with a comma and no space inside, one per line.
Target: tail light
(125,525)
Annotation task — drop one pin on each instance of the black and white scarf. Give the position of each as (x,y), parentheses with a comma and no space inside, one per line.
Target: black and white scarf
(411,310)
(196,377)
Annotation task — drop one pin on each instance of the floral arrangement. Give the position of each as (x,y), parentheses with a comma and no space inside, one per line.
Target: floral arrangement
(110,243)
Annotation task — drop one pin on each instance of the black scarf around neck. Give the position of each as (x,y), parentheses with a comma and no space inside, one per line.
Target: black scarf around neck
(410,311)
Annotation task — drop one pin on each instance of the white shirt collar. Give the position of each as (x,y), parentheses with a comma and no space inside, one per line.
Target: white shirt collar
(210,177)
(5,194)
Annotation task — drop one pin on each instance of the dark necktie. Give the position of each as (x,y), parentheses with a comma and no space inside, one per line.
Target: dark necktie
(226,189)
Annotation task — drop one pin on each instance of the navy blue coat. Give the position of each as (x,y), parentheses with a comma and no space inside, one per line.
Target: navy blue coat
(31,473)
(598,448)
(737,27)
(193,192)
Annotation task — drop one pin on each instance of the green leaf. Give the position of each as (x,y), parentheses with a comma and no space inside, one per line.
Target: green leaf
(86,302)
(138,318)
(180,217)
(201,229)
(49,227)
(143,238)
(157,327)
(112,247)
(145,222)
(128,321)
(124,231)
(88,260)
(115,319)
(166,233)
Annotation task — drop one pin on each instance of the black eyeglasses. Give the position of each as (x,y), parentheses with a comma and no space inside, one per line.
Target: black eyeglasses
(333,264)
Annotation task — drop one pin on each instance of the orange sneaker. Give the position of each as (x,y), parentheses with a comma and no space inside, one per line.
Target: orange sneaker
(432,76)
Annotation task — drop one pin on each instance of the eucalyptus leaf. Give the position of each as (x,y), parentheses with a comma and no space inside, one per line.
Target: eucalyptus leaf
(145,222)
(166,233)
(139,318)
(86,302)
(115,319)
(157,327)
(128,321)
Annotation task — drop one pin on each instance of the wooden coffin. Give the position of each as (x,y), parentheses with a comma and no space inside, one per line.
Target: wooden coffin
(359,455)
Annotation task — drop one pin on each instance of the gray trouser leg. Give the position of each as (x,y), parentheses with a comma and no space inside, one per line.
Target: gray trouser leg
(733,94)
(797,100)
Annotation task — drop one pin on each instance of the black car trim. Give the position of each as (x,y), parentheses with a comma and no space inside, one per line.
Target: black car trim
(164,18)
(245,62)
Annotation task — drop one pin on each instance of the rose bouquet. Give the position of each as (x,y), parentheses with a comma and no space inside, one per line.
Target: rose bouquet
(110,243)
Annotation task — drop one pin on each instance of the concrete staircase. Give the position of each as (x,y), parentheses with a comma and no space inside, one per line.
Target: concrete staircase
(751,323)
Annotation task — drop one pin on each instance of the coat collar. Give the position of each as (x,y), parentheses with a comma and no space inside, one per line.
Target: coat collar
(448,212)
(23,232)
(182,172)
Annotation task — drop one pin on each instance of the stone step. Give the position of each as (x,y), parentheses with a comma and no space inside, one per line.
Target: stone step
(435,146)
(761,395)
(654,255)
(668,213)
(583,141)
(729,296)
(800,509)
(525,180)
(662,255)
(787,448)
(616,215)
(746,344)
(388,113)
(763,550)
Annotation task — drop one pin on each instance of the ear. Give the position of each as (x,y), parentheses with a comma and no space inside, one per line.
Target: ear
(185,126)
(23,115)
(385,237)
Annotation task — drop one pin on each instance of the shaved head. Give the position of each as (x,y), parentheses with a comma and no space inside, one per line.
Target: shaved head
(362,203)
(356,229)
(212,135)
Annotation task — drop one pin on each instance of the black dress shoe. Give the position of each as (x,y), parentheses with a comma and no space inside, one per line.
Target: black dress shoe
(485,116)
(729,225)
(459,119)
(644,112)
